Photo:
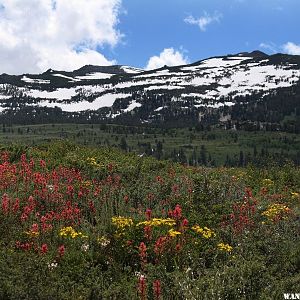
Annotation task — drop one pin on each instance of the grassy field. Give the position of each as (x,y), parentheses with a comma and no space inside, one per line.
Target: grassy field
(81,222)
(187,145)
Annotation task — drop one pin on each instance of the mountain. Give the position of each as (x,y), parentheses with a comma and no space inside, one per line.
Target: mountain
(248,90)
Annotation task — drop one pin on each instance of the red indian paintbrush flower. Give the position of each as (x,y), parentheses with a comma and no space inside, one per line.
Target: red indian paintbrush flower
(157,289)
(126,198)
(5,204)
(143,253)
(61,250)
(142,287)
(160,245)
(44,248)
(148,232)
(42,163)
(16,205)
(148,213)
(185,223)
(177,212)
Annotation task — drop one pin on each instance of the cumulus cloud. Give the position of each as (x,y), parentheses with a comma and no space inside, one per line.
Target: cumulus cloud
(291,48)
(169,57)
(204,20)
(62,34)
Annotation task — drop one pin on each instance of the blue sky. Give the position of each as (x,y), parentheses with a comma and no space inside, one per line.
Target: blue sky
(36,35)
(149,26)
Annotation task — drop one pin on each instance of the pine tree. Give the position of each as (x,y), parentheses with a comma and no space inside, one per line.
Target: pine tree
(123,144)
(242,160)
(203,156)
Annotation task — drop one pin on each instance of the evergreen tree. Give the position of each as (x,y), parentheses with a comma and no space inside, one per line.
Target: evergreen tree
(242,159)
(203,156)
(123,144)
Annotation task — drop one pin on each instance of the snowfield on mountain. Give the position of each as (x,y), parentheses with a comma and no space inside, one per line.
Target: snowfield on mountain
(117,91)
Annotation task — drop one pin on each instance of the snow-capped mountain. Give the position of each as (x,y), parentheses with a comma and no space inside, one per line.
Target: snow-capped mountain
(217,89)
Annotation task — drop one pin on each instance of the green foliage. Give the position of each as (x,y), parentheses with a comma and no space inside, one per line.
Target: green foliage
(214,147)
(203,233)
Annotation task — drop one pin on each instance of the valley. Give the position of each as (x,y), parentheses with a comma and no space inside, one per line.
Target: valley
(192,146)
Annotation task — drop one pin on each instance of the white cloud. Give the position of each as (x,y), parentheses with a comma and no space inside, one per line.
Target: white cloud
(169,57)
(291,48)
(62,34)
(269,46)
(204,20)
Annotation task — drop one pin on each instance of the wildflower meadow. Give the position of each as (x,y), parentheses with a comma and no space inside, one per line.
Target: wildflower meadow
(87,223)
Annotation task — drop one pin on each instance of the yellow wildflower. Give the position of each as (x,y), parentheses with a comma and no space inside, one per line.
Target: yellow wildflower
(275,210)
(87,183)
(174,233)
(295,195)
(205,232)
(156,222)
(267,182)
(92,161)
(71,232)
(32,233)
(122,222)
(224,247)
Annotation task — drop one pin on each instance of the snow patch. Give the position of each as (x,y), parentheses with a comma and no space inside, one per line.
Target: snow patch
(94,76)
(59,94)
(66,77)
(132,106)
(131,70)
(32,80)
(217,62)
(163,87)
(106,100)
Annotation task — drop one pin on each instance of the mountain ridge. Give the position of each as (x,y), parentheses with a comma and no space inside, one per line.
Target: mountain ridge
(215,91)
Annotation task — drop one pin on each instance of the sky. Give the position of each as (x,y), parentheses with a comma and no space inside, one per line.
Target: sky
(36,35)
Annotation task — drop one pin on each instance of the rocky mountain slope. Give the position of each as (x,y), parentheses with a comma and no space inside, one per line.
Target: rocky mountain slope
(247,88)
